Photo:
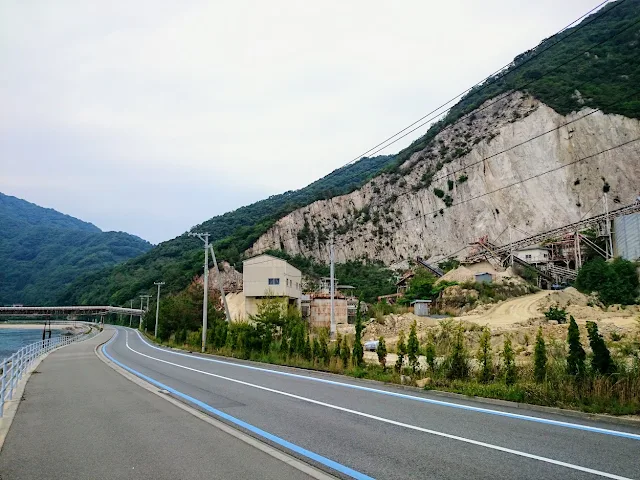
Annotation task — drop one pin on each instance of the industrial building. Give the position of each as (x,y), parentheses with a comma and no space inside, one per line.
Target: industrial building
(269,276)
(626,235)
(533,254)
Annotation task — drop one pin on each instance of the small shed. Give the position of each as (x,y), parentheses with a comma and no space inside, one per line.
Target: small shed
(484,277)
(421,307)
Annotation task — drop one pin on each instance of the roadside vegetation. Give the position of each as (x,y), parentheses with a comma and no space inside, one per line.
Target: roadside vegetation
(579,369)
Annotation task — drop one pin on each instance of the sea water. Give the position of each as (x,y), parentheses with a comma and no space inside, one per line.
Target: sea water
(13,339)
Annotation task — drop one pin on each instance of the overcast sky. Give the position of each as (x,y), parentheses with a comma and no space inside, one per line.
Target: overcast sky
(153,116)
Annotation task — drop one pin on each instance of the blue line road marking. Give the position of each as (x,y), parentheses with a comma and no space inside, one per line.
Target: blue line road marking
(277,440)
(557,423)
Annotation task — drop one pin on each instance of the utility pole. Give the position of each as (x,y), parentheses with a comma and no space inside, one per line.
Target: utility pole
(577,252)
(141,305)
(131,314)
(608,227)
(142,297)
(159,284)
(510,247)
(205,238)
(332,289)
(220,286)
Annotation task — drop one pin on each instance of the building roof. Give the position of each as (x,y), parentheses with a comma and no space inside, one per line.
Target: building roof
(420,301)
(263,255)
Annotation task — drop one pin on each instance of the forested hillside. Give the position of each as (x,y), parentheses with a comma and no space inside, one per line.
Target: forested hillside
(42,251)
(177,261)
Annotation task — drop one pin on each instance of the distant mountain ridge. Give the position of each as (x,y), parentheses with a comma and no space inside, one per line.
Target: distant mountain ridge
(42,251)
(177,261)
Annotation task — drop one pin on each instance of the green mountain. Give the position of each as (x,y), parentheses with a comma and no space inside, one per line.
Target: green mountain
(177,261)
(43,251)
(599,58)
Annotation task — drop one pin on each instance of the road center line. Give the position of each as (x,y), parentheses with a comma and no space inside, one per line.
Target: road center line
(389,421)
(557,423)
(236,421)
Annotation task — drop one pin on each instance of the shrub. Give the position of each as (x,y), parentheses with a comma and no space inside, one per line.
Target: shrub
(601,361)
(450,184)
(462,178)
(576,357)
(540,358)
(448,201)
(438,193)
(556,313)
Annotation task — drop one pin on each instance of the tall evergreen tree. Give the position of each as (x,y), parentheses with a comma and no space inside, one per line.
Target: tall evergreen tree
(345,352)
(509,362)
(358,351)
(413,347)
(601,361)
(382,353)
(401,349)
(430,353)
(336,349)
(540,358)
(485,355)
(576,357)
(457,363)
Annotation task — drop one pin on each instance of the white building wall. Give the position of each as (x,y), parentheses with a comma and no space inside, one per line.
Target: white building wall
(264,275)
(533,255)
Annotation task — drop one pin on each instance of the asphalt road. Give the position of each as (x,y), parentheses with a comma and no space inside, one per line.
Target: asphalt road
(80,419)
(368,429)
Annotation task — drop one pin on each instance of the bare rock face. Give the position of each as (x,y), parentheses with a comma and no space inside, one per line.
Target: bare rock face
(489,178)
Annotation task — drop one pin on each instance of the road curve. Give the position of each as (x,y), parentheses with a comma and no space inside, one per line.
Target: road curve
(80,419)
(366,430)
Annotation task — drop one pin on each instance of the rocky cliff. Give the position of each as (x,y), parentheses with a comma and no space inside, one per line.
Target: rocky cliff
(440,199)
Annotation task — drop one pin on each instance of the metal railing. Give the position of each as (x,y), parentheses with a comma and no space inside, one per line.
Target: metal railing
(13,368)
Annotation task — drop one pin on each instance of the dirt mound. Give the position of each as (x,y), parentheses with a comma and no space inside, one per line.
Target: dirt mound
(394,323)
(467,273)
(568,296)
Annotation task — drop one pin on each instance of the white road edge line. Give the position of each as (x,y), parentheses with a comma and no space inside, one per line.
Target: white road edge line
(529,418)
(392,422)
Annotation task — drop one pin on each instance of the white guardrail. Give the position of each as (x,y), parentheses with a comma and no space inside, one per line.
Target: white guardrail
(12,368)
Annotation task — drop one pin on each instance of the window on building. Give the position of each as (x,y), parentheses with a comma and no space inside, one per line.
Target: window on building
(528,257)
(274,281)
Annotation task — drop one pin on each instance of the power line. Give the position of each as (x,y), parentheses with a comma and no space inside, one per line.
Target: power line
(472,164)
(491,76)
(505,94)
(525,180)
(507,186)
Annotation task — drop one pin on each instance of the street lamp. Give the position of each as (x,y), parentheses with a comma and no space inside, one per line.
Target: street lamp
(205,238)
(157,307)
